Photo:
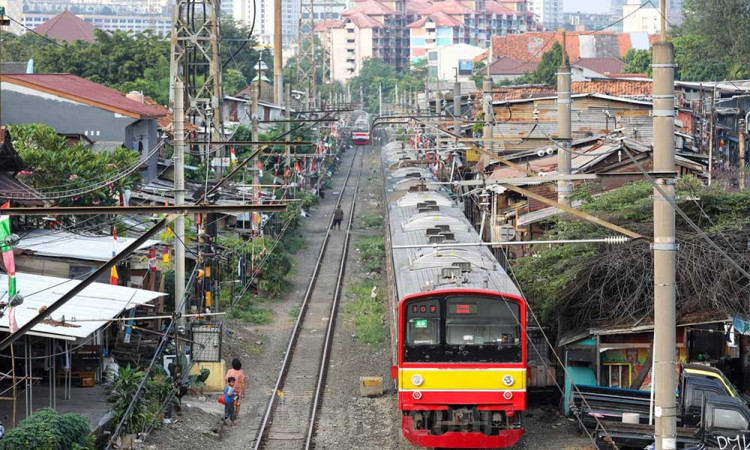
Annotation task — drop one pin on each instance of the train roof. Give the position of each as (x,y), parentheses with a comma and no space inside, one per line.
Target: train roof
(423,213)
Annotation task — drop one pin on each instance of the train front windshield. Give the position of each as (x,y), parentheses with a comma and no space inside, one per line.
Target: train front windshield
(463,329)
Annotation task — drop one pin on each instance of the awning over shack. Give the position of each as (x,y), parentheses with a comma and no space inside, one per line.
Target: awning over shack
(62,244)
(80,316)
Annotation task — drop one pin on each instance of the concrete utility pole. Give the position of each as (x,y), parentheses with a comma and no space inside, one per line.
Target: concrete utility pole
(438,100)
(457,107)
(179,198)
(288,110)
(255,118)
(278,70)
(487,129)
(395,98)
(380,99)
(711,138)
(665,248)
(741,139)
(564,187)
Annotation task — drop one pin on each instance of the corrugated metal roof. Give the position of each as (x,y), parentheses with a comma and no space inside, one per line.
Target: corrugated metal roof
(96,301)
(62,244)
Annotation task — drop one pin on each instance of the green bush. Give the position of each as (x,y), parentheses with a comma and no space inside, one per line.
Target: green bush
(47,429)
(372,220)
(252,314)
(372,252)
(123,390)
(367,313)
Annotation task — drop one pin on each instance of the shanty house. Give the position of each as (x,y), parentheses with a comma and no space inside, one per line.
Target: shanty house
(614,355)
(73,105)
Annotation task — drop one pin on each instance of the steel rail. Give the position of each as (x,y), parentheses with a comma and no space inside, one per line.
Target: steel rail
(281,378)
(325,359)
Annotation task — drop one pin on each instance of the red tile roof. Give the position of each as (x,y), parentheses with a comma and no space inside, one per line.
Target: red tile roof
(523,92)
(67,27)
(417,7)
(362,20)
(601,65)
(166,122)
(369,7)
(81,90)
(498,8)
(325,24)
(615,87)
(439,18)
(509,66)
(452,7)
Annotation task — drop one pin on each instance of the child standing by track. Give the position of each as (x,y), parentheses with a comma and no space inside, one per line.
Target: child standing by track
(229,397)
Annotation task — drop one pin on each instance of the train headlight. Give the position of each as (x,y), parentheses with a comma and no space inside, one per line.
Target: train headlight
(507,395)
(417,379)
(508,380)
(417,395)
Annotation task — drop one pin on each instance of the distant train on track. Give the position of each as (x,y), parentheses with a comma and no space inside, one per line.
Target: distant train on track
(360,128)
(461,321)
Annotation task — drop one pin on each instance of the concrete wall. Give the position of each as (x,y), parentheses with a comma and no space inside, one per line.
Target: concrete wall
(142,136)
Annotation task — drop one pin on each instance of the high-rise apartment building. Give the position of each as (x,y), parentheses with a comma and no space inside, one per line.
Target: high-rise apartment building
(548,12)
(108,15)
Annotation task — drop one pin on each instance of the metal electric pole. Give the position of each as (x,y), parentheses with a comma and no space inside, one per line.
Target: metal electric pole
(563,127)
(665,247)
(278,70)
(195,62)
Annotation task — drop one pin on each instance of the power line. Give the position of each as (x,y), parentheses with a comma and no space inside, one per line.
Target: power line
(52,41)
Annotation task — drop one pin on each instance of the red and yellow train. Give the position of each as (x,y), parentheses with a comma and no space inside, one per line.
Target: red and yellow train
(460,320)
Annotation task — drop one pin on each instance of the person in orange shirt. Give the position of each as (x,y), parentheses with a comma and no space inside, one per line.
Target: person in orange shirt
(239,386)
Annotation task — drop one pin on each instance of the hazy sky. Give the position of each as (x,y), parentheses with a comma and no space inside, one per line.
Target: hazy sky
(590,6)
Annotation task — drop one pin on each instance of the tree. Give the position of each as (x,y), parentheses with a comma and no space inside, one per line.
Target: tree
(479,73)
(321,75)
(637,61)
(239,50)
(233,81)
(696,61)
(375,73)
(51,162)
(724,26)
(546,71)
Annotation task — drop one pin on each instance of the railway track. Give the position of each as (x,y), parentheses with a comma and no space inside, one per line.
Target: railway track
(289,419)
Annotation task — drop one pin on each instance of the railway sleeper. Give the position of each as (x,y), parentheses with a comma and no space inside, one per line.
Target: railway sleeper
(464,419)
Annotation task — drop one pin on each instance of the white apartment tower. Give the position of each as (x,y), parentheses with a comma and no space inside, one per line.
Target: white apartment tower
(548,12)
